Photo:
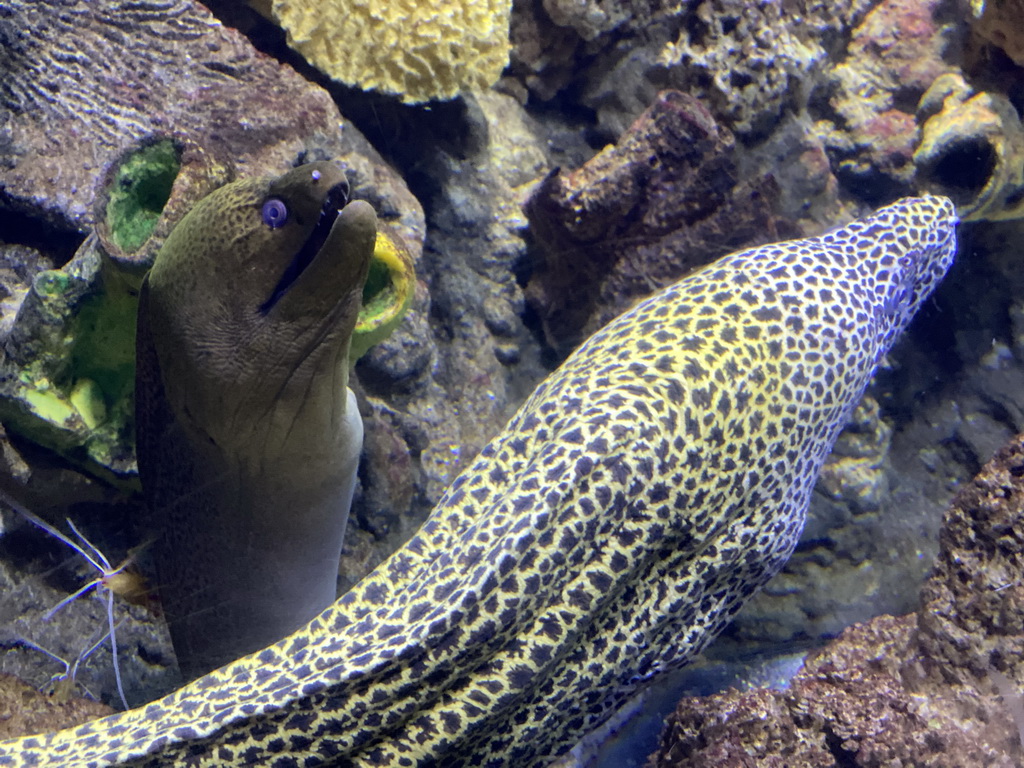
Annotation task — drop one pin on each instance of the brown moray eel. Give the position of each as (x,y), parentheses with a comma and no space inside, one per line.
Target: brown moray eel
(248,436)
(642,493)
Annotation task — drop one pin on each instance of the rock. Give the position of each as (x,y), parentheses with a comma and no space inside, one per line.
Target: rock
(972,150)
(854,473)
(19,264)
(475,190)
(796,157)
(24,711)
(998,22)
(852,70)
(663,201)
(971,619)
(88,80)
(402,361)
(894,55)
(748,62)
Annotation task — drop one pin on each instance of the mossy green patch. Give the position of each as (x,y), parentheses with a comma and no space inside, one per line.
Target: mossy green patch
(138,193)
(88,400)
(50,406)
(52,282)
(104,341)
(378,280)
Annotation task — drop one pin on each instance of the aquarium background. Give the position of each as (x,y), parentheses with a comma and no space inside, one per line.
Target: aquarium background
(547,164)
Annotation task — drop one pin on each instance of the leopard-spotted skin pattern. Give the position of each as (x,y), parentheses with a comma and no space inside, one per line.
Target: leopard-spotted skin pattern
(642,493)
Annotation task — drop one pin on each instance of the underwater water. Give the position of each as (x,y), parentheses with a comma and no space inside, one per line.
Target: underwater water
(535,170)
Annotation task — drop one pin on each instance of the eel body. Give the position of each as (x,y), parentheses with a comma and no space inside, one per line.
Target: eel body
(639,496)
(248,436)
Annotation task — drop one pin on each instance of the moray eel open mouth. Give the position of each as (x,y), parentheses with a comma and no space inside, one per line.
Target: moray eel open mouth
(337,198)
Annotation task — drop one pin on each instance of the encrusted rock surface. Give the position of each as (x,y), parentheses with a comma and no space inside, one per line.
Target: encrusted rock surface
(664,200)
(998,22)
(971,619)
(486,359)
(854,70)
(894,54)
(937,689)
(23,710)
(748,61)
(19,264)
(971,149)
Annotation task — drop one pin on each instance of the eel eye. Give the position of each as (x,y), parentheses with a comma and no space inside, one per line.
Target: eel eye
(275,213)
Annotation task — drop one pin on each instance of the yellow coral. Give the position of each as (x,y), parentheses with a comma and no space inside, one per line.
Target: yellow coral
(388,293)
(418,50)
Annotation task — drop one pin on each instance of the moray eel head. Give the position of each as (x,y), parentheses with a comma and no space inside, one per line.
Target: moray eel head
(260,286)
(292,203)
(901,270)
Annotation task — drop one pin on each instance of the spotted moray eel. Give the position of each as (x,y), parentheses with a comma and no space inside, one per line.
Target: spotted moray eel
(643,492)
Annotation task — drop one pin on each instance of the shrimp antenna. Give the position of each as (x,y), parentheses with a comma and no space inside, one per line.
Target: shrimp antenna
(97,560)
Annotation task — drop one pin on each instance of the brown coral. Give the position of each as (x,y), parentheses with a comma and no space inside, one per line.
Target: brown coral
(666,199)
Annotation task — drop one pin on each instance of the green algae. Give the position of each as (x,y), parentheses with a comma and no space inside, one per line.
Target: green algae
(378,280)
(67,378)
(139,191)
(49,405)
(103,330)
(52,283)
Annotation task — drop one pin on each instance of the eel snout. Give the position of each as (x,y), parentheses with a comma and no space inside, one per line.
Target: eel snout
(337,198)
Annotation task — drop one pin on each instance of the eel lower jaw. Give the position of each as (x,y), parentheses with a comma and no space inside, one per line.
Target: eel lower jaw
(336,199)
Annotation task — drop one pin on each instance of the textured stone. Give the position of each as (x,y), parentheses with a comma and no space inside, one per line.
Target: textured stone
(972,150)
(747,61)
(855,470)
(591,18)
(999,22)
(972,608)
(664,200)
(476,189)
(894,55)
(24,710)
(19,265)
